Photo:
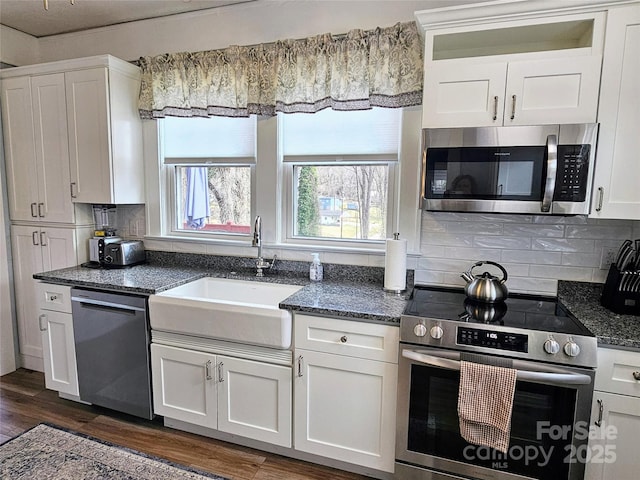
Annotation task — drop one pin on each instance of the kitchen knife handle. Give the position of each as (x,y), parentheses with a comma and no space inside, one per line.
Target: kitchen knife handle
(600,199)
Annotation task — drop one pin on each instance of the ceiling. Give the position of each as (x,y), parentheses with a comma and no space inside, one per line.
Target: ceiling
(30,16)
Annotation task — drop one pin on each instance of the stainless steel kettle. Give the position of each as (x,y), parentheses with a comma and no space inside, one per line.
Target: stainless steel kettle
(485,287)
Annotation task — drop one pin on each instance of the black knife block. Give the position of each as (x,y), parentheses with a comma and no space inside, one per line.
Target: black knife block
(619,302)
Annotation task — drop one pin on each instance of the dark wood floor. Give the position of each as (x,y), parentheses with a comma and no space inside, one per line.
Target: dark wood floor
(24,403)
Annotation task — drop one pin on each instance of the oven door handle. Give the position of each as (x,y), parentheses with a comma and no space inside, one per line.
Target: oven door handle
(558,377)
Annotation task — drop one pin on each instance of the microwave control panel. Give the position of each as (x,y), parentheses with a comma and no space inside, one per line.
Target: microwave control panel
(573,170)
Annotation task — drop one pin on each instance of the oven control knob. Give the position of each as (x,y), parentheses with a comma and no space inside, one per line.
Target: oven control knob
(551,346)
(436,332)
(420,330)
(572,349)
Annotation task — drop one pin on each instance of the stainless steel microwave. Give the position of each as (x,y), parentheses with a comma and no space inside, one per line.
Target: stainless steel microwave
(544,170)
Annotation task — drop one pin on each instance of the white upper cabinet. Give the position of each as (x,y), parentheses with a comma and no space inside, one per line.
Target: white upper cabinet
(72,134)
(36,146)
(617,174)
(105,135)
(527,71)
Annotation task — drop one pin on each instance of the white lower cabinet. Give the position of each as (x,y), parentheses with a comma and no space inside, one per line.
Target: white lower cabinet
(345,405)
(237,396)
(58,346)
(615,417)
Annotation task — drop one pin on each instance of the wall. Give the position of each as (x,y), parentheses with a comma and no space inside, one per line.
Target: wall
(17,48)
(535,250)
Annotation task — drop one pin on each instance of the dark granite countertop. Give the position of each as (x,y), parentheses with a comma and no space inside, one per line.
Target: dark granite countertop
(613,330)
(357,299)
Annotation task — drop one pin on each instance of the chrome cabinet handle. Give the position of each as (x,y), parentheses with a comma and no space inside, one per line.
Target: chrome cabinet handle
(34,207)
(220,372)
(207,370)
(34,237)
(42,329)
(513,107)
(40,207)
(300,359)
(636,376)
(343,339)
(600,199)
(72,187)
(43,238)
(598,422)
(495,108)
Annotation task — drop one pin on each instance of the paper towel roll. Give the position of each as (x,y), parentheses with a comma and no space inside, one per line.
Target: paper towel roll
(395,265)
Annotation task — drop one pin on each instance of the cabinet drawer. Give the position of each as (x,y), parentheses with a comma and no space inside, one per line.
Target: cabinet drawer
(616,370)
(347,337)
(54,297)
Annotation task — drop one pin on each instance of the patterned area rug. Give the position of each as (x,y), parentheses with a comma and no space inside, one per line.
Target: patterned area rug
(51,453)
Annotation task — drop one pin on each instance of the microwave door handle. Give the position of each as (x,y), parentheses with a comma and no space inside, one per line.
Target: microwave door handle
(552,170)
(550,378)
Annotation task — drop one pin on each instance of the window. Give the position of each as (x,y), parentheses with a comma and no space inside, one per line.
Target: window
(210,164)
(340,169)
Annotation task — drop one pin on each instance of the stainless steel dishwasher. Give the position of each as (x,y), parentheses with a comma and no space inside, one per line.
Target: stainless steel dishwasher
(112,350)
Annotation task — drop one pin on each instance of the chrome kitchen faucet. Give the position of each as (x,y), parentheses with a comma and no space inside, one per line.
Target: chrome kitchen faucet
(257,242)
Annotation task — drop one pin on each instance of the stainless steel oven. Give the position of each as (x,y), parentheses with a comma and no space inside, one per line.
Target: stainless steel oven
(555,357)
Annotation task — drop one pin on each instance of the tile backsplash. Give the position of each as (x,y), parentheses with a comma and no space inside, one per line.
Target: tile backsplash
(536,251)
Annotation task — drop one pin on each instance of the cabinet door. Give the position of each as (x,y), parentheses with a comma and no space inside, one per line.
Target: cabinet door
(463,95)
(59,351)
(184,385)
(345,408)
(89,136)
(19,147)
(27,260)
(615,186)
(52,148)
(562,90)
(58,248)
(614,450)
(254,400)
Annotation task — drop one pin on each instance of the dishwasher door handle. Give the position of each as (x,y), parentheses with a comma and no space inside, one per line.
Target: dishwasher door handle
(107,305)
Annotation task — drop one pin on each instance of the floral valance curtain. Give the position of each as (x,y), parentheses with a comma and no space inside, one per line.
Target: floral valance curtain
(359,70)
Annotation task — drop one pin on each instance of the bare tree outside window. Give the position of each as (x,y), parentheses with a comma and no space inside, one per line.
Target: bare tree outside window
(350,201)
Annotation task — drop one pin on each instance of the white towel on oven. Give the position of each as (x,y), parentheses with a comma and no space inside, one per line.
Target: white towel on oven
(485,404)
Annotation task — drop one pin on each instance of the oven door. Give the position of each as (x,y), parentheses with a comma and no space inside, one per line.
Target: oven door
(549,402)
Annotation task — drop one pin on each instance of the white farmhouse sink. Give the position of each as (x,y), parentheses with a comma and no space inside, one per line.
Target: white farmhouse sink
(235,310)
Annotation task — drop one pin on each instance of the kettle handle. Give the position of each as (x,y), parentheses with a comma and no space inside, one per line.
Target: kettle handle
(489,262)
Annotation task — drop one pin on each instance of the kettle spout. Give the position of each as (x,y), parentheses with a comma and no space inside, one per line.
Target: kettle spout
(467,277)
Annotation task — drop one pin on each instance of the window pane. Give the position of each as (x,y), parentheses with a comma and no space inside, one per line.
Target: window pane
(342,202)
(214,199)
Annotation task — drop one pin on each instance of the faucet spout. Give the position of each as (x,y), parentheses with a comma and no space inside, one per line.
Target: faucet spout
(257,235)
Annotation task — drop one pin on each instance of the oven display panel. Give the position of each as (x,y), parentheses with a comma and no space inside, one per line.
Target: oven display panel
(514,342)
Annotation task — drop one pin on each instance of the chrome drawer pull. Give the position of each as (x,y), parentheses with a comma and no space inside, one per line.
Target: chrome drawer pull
(598,422)
(207,370)
(495,108)
(220,372)
(343,339)
(300,365)
(636,375)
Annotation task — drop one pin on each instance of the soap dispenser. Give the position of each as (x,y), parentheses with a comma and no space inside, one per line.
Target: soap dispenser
(315,270)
